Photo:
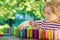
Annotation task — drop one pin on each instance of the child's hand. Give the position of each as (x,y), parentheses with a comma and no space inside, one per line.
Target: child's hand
(22,25)
(25,23)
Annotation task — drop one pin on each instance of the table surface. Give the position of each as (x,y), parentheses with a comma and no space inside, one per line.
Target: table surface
(13,38)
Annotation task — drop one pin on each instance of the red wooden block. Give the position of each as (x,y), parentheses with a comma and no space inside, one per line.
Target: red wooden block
(44,34)
(8,31)
(1,35)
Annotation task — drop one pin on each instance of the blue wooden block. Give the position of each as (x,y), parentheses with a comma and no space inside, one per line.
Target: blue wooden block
(11,31)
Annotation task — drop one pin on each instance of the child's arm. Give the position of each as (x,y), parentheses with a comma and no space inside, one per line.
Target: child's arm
(33,24)
(25,23)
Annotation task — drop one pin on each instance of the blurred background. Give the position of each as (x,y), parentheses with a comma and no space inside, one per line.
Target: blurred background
(14,12)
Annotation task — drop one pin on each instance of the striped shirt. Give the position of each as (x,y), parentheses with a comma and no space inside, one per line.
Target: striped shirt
(46,25)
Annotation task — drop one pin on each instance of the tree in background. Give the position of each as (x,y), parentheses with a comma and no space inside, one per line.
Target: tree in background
(8,8)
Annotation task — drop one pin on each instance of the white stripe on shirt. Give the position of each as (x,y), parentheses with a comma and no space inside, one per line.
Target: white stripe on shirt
(45,24)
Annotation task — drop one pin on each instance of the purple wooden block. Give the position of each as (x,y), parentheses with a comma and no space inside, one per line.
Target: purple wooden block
(33,33)
(25,33)
(37,33)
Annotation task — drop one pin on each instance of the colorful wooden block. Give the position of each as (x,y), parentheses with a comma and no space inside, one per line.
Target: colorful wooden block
(44,34)
(18,33)
(14,32)
(28,33)
(35,33)
(56,35)
(6,31)
(1,31)
(53,34)
(22,33)
(11,31)
(31,33)
(50,34)
(25,33)
(1,35)
(40,33)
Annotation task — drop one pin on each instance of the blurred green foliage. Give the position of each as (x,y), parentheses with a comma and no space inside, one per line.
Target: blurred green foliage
(34,8)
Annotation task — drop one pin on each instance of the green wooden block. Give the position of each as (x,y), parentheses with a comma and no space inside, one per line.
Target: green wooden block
(18,33)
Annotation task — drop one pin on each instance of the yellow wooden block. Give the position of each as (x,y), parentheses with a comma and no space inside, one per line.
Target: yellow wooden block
(40,33)
(50,34)
(30,32)
(15,31)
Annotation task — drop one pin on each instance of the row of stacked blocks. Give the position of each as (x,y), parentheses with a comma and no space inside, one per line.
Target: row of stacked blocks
(28,33)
